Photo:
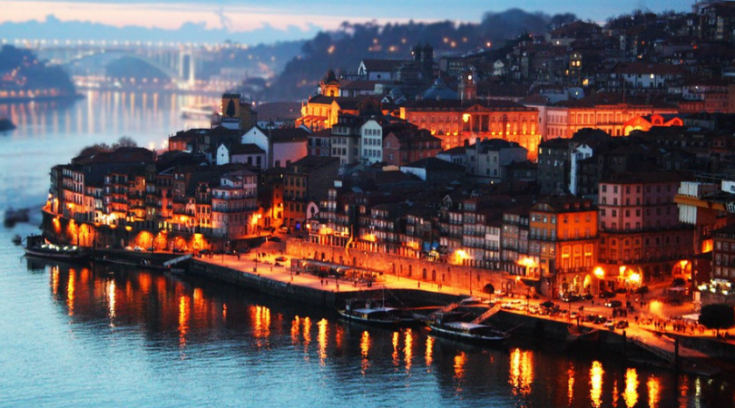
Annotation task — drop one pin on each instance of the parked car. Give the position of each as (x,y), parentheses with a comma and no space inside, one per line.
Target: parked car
(587,296)
(678,282)
(609,325)
(642,290)
(621,324)
(570,298)
(600,319)
(606,294)
(613,303)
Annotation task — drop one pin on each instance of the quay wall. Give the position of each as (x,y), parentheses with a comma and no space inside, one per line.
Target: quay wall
(308,295)
(458,276)
(271,287)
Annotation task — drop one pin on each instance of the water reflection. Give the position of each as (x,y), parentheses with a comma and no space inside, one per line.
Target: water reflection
(570,383)
(630,395)
(408,348)
(322,339)
(396,343)
(596,373)
(183,319)
(111,300)
(70,292)
(365,350)
(429,350)
(521,371)
(186,317)
(100,112)
(654,387)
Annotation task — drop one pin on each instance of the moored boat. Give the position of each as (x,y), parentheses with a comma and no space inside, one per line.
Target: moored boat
(377,315)
(469,332)
(36,245)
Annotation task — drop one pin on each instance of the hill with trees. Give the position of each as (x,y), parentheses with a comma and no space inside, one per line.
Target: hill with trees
(344,48)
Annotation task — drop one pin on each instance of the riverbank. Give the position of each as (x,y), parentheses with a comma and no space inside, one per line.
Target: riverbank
(638,343)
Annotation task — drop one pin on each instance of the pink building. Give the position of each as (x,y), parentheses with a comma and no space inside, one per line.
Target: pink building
(640,235)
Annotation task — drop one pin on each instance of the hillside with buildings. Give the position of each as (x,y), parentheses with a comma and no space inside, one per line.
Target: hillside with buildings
(586,160)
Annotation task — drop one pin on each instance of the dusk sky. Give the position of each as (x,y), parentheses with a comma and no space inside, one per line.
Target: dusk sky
(248,15)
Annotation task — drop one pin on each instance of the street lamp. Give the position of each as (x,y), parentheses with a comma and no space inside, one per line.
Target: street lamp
(600,274)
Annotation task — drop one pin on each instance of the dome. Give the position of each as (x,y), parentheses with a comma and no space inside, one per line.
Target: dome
(439,91)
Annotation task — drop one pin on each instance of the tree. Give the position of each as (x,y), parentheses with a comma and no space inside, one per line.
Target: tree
(717,316)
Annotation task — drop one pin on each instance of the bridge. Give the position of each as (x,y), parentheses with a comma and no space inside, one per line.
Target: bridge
(181,62)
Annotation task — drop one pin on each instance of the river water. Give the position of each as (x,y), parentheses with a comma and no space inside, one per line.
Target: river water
(110,336)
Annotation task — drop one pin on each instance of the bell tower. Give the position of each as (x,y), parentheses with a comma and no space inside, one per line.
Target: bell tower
(467,87)
(329,85)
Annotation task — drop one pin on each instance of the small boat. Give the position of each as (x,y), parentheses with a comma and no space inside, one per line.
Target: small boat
(37,246)
(16,239)
(13,217)
(142,263)
(378,316)
(469,332)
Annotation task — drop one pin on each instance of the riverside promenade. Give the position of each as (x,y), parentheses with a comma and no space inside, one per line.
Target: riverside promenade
(263,269)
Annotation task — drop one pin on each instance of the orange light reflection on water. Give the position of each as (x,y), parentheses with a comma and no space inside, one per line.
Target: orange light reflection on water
(596,373)
(111,298)
(570,383)
(184,304)
(295,330)
(70,292)
(521,371)
(408,348)
(322,339)
(55,279)
(459,362)
(654,391)
(396,343)
(429,350)
(365,350)
(630,395)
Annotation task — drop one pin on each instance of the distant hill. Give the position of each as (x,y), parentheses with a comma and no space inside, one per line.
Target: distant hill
(343,49)
(23,75)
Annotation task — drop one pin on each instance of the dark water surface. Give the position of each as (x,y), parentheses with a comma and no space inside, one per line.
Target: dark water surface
(78,336)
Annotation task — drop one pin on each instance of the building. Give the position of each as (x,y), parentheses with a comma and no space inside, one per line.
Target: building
(281,146)
(488,159)
(553,162)
(606,112)
(304,181)
(563,244)
(404,146)
(641,238)
(456,122)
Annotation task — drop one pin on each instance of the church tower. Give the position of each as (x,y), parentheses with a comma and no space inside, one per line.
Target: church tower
(329,85)
(467,87)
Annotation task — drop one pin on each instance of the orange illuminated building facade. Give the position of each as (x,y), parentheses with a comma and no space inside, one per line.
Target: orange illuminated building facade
(566,118)
(458,122)
(563,244)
